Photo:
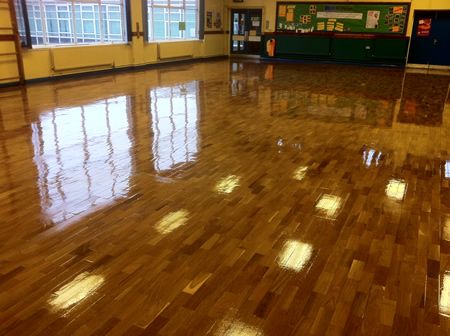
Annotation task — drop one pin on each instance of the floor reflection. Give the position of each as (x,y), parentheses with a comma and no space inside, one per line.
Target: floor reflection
(423,99)
(328,206)
(444,301)
(235,327)
(295,255)
(447,169)
(396,189)
(371,157)
(174,112)
(172,221)
(374,98)
(83,157)
(227,184)
(73,293)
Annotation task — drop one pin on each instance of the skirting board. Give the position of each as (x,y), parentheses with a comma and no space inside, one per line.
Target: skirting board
(114,70)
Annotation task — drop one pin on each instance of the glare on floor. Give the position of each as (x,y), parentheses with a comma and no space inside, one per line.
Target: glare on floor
(444,301)
(329,205)
(396,189)
(227,184)
(83,286)
(300,173)
(237,328)
(294,255)
(172,221)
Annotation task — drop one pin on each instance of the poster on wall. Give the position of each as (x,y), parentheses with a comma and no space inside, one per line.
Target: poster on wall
(372,19)
(208,19)
(424,27)
(218,21)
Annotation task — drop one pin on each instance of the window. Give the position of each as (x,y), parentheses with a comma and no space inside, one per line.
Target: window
(75,22)
(173,19)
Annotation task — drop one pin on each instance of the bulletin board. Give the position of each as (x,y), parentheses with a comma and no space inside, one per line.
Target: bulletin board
(368,18)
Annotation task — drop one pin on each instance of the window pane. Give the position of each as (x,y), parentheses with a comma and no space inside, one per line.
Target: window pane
(65,21)
(114,27)
(167,17)
(64,26)
(191,23)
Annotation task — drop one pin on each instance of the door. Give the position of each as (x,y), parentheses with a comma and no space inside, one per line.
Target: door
(246,31)
(430,40)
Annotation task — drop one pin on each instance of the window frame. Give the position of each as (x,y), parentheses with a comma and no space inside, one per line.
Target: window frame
(148,6)
(78,39)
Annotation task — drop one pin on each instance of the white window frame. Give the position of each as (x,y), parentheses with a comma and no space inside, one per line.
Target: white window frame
(40,13)
(178,5)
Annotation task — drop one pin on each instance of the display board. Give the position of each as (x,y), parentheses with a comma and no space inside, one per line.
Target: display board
(369,18)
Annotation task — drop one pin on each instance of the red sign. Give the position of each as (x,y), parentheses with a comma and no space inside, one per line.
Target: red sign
(424,27)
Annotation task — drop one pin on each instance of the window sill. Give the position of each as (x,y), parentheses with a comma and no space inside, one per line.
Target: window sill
(173,41)
(56,46)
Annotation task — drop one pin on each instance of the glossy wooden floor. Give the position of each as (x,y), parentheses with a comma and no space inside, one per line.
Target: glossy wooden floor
(227,198)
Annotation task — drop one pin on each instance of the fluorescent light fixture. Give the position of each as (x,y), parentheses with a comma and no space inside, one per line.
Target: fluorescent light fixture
(227,184)
(80,288)
(294,255)
(172,221)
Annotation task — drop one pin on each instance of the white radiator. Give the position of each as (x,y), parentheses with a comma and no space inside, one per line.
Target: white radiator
(66,59)
(170,50)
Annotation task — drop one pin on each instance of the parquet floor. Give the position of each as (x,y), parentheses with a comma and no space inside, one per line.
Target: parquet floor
(227,198)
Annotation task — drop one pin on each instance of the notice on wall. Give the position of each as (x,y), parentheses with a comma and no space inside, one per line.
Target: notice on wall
(218,20)
(372,19)
(320,25)
(339,15)
(254,38)
(290,15)
(282,11)
(424,27)
(208,19)
(397,10)
(339,27)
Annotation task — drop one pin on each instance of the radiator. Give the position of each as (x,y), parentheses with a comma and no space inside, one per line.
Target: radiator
(170,50)
(67,59)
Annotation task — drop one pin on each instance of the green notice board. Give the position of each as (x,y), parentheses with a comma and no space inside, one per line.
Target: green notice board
(369,18)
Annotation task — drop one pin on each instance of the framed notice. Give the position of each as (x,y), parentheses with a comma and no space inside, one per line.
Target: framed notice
(424,27)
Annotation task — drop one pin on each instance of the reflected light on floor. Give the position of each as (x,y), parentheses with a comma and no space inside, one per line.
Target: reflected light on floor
(237,328)
(446,229)
(370,157)
(447,169)
(172,221)
(82,155)
(300,173)
(227,184)
(396,189)
(80,288)
(444,300)
(294,255)
(329,205)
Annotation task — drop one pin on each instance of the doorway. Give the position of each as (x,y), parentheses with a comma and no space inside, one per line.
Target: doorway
(245,31)
(430,39)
